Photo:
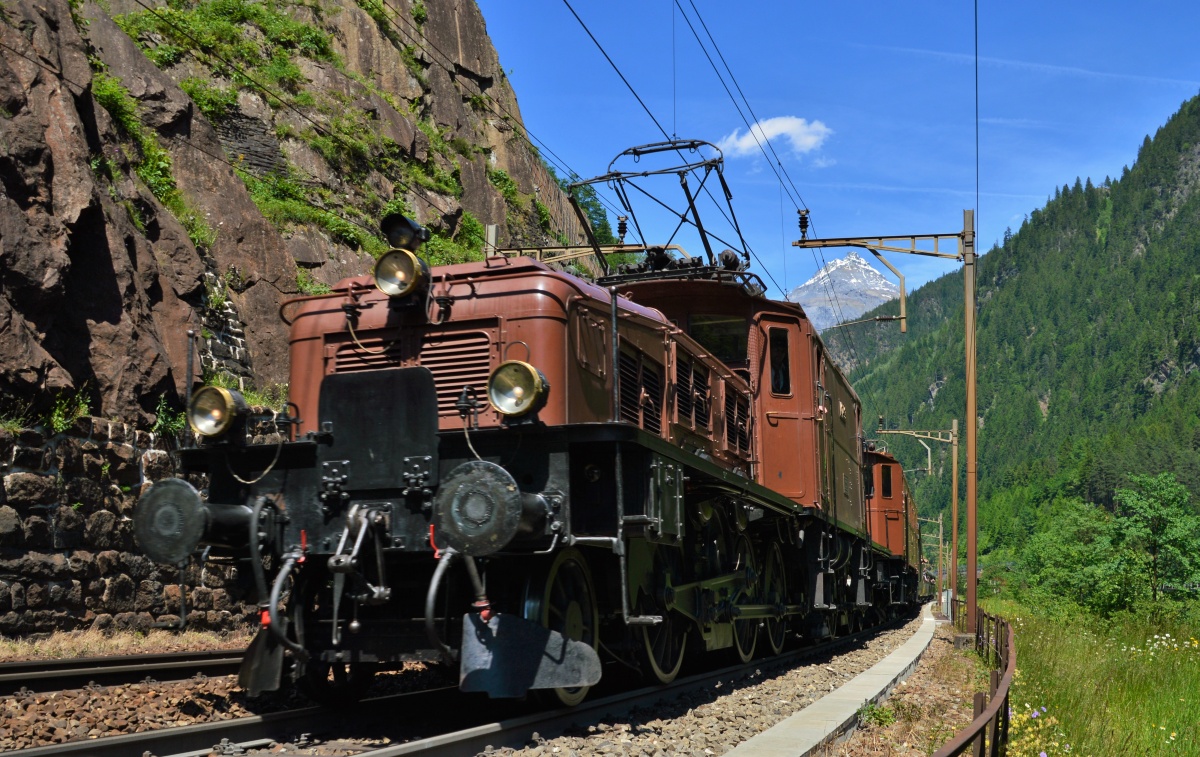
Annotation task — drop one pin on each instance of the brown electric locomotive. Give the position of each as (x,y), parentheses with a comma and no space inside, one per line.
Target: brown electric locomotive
(528,475)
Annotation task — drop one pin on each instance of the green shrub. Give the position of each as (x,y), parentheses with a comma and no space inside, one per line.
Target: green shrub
(508,188)
(168,422)
(153,164)
(282,201)
(217,28)
(876,714)
(543,215)
(308,285)
(273,397)
(214,102)
(68,407)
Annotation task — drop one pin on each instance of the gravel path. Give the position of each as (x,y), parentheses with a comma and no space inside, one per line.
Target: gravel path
(712,723)
(928,708)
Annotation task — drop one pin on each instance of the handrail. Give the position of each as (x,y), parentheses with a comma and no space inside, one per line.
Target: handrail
(988,732)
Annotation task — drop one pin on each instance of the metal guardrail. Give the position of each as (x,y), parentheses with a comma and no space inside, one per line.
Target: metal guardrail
(988,732)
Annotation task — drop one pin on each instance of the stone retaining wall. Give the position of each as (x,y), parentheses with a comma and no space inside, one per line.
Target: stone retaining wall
(67,555)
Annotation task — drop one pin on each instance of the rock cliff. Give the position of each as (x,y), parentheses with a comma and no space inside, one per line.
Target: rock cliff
(189,166)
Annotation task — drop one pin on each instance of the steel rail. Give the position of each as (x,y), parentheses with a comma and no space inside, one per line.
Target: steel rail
(248,731)
(256,731)
(73,673)
(517,732)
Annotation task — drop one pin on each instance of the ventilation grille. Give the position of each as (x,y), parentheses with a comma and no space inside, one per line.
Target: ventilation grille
(691,394)
(456,359)
(641,392)
(737,422)
(375,352)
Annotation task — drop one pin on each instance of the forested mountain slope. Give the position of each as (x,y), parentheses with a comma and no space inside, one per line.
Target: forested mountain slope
(1088,345)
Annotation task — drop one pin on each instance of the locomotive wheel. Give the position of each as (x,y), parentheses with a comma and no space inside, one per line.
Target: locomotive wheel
(745,632)
(336,684)
(664,643)
(563,601)
(775,593)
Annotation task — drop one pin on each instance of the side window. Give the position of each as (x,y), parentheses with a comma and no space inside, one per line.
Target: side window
(886,484)
(781,373)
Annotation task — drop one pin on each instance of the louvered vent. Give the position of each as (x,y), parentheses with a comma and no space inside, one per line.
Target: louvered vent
(456,359)
(737,422)
(375,352)
(691,393)
(641,392)
(684,403)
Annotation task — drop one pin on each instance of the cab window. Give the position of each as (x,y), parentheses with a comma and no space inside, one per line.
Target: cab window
(781,373)
(725,336)
(886,483)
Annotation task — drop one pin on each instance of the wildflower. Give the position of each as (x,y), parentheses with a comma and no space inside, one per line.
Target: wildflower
(1035,714)
(1042,754)
(1043,708)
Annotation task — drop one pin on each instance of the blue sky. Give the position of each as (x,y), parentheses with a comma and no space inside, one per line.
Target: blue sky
(870,105)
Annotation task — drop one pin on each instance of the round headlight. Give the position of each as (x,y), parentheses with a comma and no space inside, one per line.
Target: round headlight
(399,273)
(213,409)
(516,388)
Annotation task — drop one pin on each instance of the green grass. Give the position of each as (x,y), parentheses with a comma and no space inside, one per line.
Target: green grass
(309,285)
(1129,685)
(259,38)
(283,201)
(152,163)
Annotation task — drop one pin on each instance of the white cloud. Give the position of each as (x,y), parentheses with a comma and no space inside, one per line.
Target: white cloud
(804,136)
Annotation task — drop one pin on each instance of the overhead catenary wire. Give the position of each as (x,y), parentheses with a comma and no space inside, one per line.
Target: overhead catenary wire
(777,166)
(797,199)
(667,136)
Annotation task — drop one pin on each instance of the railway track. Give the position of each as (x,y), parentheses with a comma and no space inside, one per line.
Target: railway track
(56,675)
(519,731)
(435,721)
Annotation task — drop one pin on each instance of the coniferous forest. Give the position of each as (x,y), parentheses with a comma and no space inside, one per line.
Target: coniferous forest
(1088,339)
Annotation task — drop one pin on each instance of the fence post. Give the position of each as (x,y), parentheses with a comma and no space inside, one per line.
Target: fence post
(980,703)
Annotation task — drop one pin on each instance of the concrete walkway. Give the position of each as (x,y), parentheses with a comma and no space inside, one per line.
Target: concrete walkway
(836,712)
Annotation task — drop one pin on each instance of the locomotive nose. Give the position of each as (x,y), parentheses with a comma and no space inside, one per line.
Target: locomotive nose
(168,521)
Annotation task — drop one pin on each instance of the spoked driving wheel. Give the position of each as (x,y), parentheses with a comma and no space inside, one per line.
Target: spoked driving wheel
(775,594)
(745,632)
(663,643)
(562,600)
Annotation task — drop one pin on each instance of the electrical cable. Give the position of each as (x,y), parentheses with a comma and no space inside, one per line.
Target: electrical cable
(418,40)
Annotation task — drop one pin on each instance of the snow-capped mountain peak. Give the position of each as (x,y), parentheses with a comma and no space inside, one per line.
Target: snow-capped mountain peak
(842,290)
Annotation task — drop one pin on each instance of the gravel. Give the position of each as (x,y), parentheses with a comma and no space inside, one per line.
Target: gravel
(700,724)
(41,719)
(929,707)
(713,722)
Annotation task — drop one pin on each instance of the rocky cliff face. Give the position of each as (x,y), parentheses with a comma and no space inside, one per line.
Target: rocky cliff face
(162,174)
(843,290)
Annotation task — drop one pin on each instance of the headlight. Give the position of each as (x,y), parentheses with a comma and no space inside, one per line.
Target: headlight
(213,409)
(399,273)
(517,388)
